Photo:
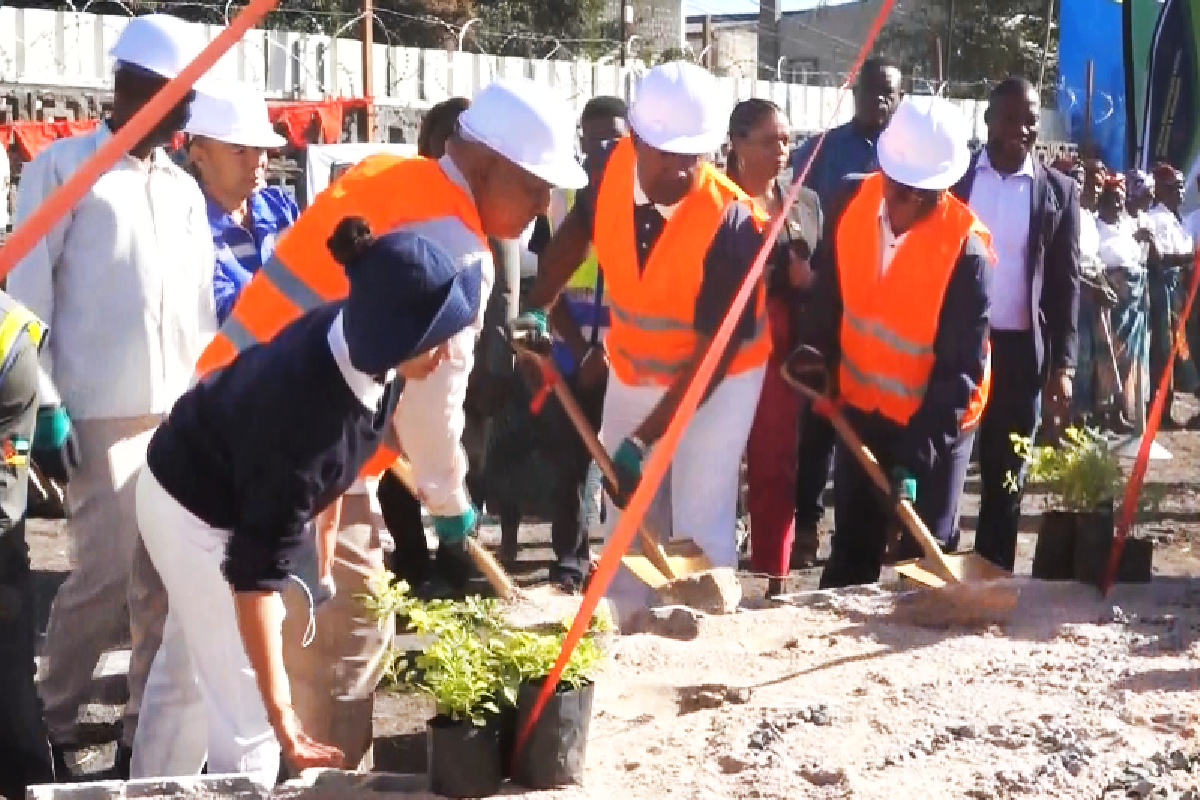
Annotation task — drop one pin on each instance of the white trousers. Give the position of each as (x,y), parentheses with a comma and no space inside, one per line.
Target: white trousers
(201,697)
(703,477)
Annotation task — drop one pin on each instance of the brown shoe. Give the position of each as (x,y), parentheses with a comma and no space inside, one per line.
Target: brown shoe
(805,547)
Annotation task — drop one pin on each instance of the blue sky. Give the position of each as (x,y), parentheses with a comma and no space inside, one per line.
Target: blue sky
(743,6)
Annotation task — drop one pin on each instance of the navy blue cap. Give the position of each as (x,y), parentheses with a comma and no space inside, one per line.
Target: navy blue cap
(406,296)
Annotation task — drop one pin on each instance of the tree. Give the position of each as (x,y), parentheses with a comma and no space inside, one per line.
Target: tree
(989,40)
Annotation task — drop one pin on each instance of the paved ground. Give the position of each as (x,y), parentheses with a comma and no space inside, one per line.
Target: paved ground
(400,718)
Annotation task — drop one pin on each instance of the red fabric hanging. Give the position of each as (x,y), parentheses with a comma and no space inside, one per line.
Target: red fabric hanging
(297,117)
(31,136)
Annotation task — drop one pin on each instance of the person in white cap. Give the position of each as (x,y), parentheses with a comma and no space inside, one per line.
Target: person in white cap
(230,136)
(898,332)
(510,148)
(125,281)
(675,239)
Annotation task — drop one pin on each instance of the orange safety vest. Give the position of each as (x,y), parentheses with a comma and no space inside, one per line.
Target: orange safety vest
(889,323)
(652,340)
(388,191)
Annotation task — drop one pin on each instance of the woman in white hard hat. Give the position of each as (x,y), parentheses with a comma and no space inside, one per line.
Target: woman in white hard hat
(231,134)
(898,332)
(675,239)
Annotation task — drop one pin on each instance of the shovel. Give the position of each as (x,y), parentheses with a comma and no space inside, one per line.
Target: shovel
(658,564)
(936,570)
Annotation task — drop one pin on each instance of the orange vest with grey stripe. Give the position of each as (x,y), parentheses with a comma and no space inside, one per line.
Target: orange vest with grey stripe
(889,322)
(652,339)
(388,191)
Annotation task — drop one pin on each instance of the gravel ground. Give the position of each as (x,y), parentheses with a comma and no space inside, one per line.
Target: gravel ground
(843,696)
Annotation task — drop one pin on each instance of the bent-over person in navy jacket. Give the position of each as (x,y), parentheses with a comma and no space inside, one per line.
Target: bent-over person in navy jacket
(235,477)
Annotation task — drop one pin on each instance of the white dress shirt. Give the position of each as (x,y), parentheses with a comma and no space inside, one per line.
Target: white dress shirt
(124,280)
(1004,204)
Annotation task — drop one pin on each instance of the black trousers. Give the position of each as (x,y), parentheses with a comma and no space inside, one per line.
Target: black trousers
(563,444)
(862,517)
(1014,407)
(411,561)
(25,758)
(814,467)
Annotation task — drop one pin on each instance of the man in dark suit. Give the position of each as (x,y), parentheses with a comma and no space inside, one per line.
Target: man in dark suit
(1033,215)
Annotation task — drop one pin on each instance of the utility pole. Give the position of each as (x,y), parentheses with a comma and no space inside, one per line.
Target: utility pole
(949,38)
(706,41)
(368,64)
(625,14)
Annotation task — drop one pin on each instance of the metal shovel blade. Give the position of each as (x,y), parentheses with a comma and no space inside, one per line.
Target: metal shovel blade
(684,557)
(980,585)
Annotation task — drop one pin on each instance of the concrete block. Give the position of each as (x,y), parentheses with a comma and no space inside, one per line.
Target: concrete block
(321,783)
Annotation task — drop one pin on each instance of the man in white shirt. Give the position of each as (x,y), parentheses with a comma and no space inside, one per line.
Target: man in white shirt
(1033,215)
(125,282)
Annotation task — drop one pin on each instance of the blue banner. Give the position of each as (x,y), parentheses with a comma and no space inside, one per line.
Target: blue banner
(1092,30)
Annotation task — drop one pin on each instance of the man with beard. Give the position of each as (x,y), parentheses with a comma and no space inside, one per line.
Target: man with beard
(125,281)
(1033,216)
(847,149)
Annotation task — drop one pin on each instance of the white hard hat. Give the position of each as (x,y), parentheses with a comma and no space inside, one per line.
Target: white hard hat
(925,144)
(678,110)
(529,125)
(232,113)
(160,43)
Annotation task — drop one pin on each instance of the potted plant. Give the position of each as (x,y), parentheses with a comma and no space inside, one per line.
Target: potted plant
(461,672)
(1081,476)
(555,751)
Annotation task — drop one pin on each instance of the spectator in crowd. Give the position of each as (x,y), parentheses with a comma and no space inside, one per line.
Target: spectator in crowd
(1097,385)
(438,125)
(582,362)
(847,149)
(759,137)
(1123,252)
(1139,196)
(122,352)
(899,324)
(1171,252)
(231,135)
(1033,215)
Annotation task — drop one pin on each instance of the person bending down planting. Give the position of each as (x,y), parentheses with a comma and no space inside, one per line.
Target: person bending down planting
(675,239)
(238,472)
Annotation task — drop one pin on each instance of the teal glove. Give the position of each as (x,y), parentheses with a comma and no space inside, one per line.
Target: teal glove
(628,461)
(54,447)
(53,428)
(455,529)
(904,485)
(533,322)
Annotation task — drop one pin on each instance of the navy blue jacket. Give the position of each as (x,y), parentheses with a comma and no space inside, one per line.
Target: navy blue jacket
(958,346)
(267,443)
(1053,261)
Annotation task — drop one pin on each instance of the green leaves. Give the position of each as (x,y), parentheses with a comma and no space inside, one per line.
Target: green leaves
(476,662)
(1081,474)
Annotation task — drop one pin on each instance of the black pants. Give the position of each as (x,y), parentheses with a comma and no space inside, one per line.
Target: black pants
(815,466)
(411,560)
(561,442)
(25,758)
(1013,408)
(862,518)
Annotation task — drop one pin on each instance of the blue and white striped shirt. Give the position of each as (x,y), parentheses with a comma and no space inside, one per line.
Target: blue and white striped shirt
(241,251)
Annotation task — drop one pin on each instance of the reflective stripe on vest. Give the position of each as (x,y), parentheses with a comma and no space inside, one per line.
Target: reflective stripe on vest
(889,321)
(388,191)
(652,338)
(18,321)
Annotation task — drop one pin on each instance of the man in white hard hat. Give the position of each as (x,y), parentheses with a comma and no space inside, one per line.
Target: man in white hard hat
(230,135)
(898,332)
(125,283)
(510,148)
(675,238)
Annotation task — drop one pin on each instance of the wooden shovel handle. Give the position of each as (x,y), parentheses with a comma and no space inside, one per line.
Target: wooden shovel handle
(491,569)
(650,543)
(904,510)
